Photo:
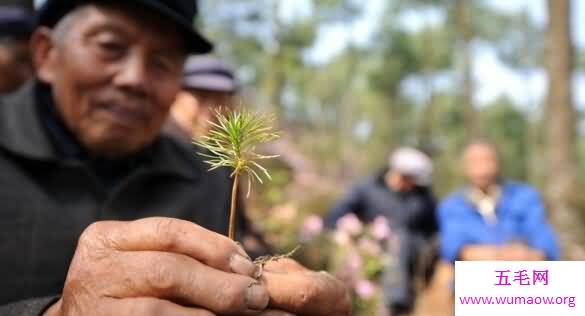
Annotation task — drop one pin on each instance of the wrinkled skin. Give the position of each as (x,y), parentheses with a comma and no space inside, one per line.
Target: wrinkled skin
(162,266)
(114,78)
(158,266)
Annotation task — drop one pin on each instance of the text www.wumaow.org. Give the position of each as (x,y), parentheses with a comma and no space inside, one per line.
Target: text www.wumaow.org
(569,301)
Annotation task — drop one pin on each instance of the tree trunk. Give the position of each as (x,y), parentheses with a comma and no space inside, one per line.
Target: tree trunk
(345,114)
(276,81)
(464,37)
(559,118)
(426,128)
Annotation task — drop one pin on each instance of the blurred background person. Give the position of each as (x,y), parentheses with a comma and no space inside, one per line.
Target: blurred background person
(15,65)
(401,194)
(209,85)
(493,218)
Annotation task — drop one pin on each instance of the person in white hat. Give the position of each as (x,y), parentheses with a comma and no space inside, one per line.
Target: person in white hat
(411,167)
(401,193)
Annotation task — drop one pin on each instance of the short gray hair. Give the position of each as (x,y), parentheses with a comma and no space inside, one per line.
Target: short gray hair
(65,25)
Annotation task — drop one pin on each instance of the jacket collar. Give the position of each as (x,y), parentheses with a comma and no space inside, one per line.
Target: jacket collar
(21,129)
(23,133)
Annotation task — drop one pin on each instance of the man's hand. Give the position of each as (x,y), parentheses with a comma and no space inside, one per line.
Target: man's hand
(300,291)
(479,253)
(507,252)
(520,252)
(159,266)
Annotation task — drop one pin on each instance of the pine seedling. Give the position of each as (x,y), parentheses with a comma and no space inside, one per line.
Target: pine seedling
(232,143)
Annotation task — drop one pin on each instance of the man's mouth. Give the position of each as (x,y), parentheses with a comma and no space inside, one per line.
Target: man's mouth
(126,116)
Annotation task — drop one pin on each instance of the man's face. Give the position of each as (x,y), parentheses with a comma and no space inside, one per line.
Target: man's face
(206,104)
(15,65)
(184,113)
(399,182)
(481,166)
(114,76)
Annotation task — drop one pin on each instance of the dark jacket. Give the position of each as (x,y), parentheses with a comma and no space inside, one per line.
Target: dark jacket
(50,192)
(413,212)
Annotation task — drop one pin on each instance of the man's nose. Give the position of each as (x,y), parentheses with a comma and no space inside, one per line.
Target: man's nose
(133,75)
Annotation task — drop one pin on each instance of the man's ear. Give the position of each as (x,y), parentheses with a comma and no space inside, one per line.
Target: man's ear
(44,54)
(4,54)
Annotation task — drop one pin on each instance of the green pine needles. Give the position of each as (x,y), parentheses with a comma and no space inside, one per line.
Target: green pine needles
(231,143)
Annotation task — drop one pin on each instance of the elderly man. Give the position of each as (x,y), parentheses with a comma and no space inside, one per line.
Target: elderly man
(401,194)
(492,218)
(81,149)
(15,65)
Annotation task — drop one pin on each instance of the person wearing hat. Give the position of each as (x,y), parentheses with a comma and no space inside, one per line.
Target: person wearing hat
(15,65)
(209,85)
(401,193)
(100,212)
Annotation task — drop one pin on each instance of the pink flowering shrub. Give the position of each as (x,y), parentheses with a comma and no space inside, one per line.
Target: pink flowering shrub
(350,224)
(311,228)
(354,251)
(357,253)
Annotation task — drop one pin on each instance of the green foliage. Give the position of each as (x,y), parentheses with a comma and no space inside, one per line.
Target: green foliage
(373,267)
(398,60)
(503,122)
(232,143)
(523,45)
(580,62)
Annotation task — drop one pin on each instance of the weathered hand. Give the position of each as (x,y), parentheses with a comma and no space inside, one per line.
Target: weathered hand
(300,291)
(159,266)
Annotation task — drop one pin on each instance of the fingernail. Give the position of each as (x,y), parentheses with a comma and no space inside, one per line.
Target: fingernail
(256,297)
(242,251)
(241,265)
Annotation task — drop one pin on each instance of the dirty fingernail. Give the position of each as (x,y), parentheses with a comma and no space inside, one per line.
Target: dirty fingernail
(242,265)
(256,297)
(242,251)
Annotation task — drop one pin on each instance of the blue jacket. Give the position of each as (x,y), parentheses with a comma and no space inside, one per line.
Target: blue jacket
(520,216)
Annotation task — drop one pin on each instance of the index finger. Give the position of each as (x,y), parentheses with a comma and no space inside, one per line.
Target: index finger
(176,236)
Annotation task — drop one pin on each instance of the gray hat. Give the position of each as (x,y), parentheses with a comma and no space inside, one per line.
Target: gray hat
(208,73)
(412,162)
(15,21)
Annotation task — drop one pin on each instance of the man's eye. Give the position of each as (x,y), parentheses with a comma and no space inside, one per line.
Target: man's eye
(111,48)
(164,64)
